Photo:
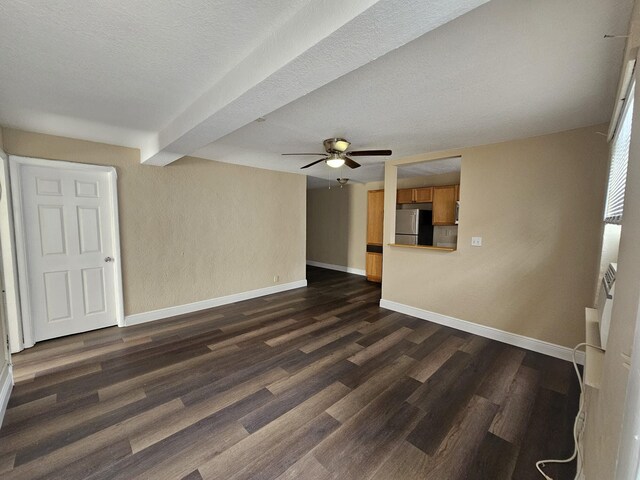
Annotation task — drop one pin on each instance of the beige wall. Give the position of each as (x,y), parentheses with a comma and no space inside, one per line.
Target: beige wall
(193,230)
(5,359)
(452,178)
(606,406)
(337,225)
(9,259)
(537,204)
(5,356)
(337,219)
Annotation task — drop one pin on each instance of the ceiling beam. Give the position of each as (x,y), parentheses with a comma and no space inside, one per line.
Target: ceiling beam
(323,41)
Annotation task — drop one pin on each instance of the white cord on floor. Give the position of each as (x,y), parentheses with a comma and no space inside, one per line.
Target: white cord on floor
(578,425)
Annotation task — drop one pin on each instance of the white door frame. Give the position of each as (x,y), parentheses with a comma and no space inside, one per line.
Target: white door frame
(21,250)
(9,258)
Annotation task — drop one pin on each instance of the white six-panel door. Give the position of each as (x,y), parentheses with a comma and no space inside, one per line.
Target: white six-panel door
(68,245)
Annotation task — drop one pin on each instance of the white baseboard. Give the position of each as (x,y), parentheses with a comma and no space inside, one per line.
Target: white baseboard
(339,268)
(527,343)
(162,313)
(5,392)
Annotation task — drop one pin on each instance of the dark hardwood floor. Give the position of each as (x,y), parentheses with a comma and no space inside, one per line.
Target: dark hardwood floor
(315,383)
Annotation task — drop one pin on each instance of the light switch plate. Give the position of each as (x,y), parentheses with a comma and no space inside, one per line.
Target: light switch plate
(476,241)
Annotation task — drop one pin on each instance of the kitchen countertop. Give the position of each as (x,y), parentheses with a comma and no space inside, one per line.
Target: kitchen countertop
(424,247)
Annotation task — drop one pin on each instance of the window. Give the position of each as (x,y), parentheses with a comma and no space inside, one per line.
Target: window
(619,162)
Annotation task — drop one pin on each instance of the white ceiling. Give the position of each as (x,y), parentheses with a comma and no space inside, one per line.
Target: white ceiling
(432,167)
(375,171)
(508,69)
(190,76)
(171,77)
(124,67)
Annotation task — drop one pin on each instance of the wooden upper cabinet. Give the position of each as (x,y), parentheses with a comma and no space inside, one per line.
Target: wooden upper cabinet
(405,195)
(457,192)
(444,205)
(415,195)
(423,195)
(375,216)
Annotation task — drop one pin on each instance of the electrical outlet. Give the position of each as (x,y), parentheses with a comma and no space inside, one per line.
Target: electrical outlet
(476,241)
(276,278)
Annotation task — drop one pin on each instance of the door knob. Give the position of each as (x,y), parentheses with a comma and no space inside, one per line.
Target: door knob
(108,259)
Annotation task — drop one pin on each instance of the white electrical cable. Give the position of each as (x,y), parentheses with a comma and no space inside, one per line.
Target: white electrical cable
(578,425)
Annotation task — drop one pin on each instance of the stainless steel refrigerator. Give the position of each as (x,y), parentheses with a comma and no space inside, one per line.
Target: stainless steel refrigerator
(414,227)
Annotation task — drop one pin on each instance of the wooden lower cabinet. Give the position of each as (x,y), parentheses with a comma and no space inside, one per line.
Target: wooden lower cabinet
(374,267)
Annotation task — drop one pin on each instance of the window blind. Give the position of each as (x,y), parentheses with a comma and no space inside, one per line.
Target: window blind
(619,162)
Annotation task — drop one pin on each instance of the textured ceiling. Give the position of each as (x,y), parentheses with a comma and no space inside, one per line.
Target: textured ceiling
(409,75)
(123,66)
(170,77)
(432,167)
(420,169)
(508,69)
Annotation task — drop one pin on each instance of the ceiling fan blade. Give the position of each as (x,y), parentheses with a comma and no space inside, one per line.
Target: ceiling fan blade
(351,163)
(369,153)
(313,163)
(303,153)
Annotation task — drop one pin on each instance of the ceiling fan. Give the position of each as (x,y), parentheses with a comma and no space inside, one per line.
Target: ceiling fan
(337,155)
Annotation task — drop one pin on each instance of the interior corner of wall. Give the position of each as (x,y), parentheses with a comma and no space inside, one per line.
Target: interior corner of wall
(149,147)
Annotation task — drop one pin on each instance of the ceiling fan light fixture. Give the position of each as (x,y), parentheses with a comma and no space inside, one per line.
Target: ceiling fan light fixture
(336,145)
(341,145)
(342,180)
(335,161)
(337,154)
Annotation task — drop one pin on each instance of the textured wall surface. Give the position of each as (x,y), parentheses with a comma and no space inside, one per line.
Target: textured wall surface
(4,350)
(196,229)
(9,259)
(605,414)
(337,219)
(337,225)
(452,178)
(537,203)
